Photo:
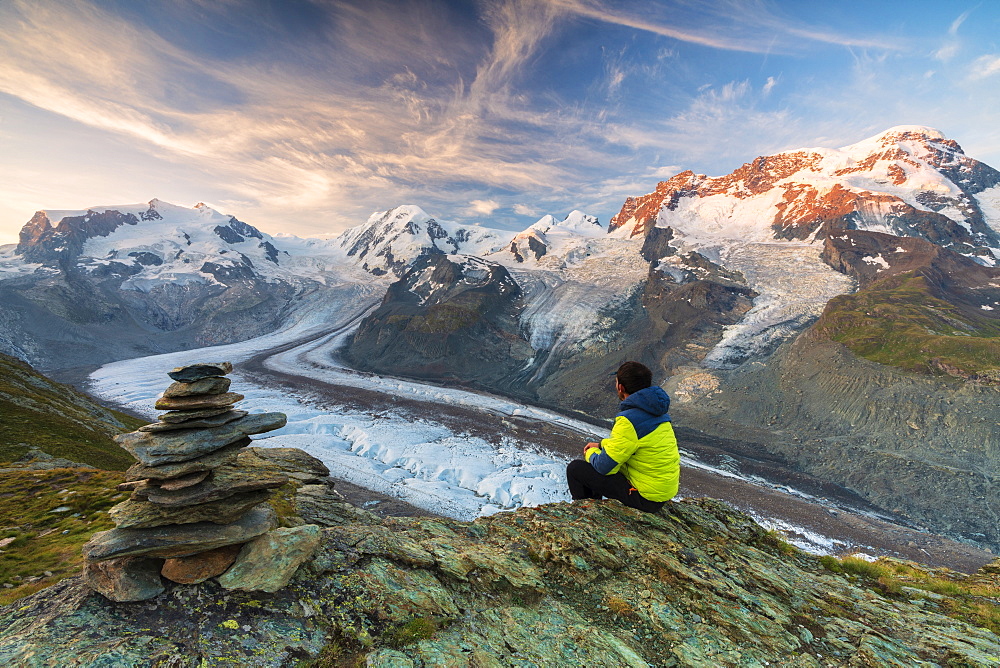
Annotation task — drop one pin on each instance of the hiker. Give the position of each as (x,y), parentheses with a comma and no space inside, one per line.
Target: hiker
(638,464)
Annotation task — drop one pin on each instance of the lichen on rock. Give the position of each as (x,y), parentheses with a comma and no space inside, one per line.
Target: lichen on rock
(590,583)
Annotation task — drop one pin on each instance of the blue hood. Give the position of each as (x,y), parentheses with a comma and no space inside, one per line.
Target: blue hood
(646,409)
(652,400)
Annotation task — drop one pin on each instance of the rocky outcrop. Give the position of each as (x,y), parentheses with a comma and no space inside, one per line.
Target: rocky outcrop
(591,583)
(871,256)
(188,500)
(446,320)
(674,319)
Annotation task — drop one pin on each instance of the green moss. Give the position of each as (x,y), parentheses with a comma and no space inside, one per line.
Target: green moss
(900,323)
(970,599)
(44,540)
(872,570)
(282,500)
(412,631)
(831,563)
(774,540)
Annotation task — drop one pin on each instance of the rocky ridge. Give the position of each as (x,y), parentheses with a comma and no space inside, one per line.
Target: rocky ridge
(589,583)
(441,308)
(192,507)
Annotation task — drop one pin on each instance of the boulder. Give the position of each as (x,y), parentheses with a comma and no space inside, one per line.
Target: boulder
(294,463)
(213,385)
(196,403)
(992,568)
(321,504)
(181,540)
(195,372)
(269,562)
(195,423)
(224,482)
(125,579)
(140,514)
(205,463)
(184,416)
(200,567)
(154,449)
(173,484)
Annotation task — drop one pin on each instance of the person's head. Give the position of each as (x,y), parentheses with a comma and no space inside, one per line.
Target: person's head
(632,377)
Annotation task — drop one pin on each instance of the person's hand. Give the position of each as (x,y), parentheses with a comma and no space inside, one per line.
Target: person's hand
(590,446)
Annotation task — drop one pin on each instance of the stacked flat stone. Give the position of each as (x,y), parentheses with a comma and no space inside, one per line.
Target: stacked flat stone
(192,507)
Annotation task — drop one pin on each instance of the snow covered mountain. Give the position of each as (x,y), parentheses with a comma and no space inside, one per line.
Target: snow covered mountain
(154,244)
(389,241)
(906,181)
(568,240)
(149,277)
(757,229)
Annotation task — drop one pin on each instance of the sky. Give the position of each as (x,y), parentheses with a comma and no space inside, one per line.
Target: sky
(305,117)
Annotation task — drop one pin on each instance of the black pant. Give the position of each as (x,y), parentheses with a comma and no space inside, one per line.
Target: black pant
(586,483)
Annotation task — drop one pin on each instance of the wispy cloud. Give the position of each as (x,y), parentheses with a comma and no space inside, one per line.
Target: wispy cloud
(985,66)
(730,123)
(592,9)
(330,109)
(729,25)
(294,138)
(480,207)
(949,49)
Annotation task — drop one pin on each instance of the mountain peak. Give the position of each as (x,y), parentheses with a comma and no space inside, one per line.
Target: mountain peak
(390,240)
(909,180)
(913,139)
(897,131)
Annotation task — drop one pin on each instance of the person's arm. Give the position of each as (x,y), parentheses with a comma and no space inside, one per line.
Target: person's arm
(614,450)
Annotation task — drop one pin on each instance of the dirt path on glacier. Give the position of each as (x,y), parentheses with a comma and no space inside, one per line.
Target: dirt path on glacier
(801,502)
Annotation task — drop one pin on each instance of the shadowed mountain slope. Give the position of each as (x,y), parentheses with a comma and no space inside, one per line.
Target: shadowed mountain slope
(40,413)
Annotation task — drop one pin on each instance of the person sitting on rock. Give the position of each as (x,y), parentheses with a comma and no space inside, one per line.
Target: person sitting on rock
(639,463)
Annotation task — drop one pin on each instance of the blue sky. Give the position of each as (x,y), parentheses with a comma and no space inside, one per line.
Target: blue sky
(305,117)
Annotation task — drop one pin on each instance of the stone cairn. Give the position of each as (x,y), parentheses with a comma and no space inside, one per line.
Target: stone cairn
(193,507)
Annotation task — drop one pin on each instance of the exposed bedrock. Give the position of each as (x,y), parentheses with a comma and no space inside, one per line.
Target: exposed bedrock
(446,321)
(925,447)
(460,324)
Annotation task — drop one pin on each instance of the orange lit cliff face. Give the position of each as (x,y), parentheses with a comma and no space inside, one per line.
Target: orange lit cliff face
(907,181)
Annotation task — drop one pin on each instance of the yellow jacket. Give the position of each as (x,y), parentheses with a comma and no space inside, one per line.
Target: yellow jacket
(642,446)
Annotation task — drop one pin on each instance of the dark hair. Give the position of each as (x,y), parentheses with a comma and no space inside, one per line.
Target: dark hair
(634,377)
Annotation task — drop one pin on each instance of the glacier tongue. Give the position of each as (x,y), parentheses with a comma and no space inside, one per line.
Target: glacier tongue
(794,285)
